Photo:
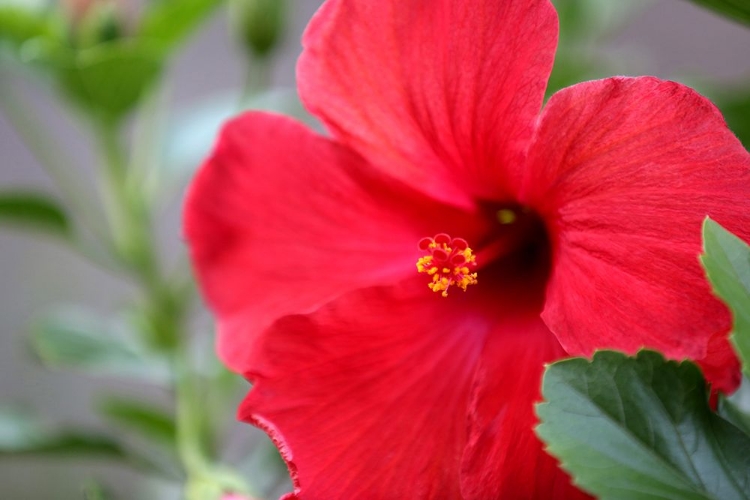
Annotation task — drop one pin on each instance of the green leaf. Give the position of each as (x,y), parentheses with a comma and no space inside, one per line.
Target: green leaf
(170,21)
(727,263)
(148,420)
(70,442)
(641,428)
(74,339)
(17,24)
(22,434)
(109,79)
(99,23)
(739,10)
(34,210)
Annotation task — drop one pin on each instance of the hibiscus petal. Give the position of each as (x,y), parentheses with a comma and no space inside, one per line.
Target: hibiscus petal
(367,397)
(280,220)
(624,171)
(441,94)
(504,458)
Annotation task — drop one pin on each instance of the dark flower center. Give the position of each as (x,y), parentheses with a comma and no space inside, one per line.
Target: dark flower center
(517,254)
(514,254)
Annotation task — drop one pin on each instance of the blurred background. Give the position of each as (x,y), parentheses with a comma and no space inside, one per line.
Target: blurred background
(62,433)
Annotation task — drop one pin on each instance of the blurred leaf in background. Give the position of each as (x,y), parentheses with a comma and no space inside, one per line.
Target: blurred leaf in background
(19,24)
(21,432)
(147,419)
(739,10)
(72,338)
(33,209)
(110,79)
(171,21)
(102,61)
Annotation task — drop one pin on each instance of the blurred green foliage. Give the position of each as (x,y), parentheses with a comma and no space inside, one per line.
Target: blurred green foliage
(33,209)
(108,80)
(146,419)
(169,22)
(21,432)
(74,338)
(739,10)
(101,63)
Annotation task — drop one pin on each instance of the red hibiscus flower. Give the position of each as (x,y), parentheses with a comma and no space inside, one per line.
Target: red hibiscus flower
(570,230)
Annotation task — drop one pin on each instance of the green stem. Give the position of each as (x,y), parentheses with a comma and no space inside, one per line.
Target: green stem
(130,224)
(131,227)
(146,153)
(205,480)
(189,422)
(166,304)
(257,80)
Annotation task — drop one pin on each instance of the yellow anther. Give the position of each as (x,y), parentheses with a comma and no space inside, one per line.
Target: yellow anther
(448,262)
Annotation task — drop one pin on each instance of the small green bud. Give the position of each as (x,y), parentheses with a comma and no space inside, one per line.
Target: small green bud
(94,21)
(258,23)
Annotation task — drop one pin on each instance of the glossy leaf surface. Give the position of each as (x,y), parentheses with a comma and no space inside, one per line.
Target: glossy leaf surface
(641,428)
